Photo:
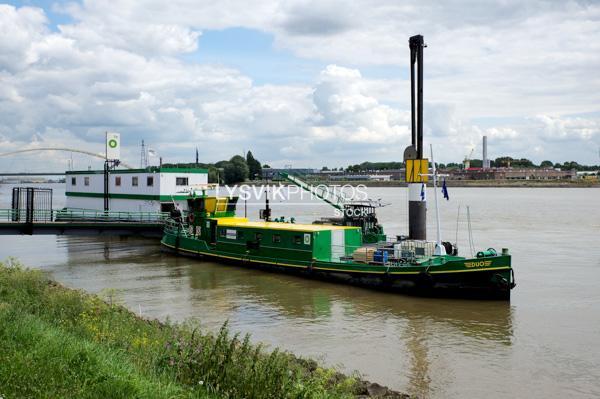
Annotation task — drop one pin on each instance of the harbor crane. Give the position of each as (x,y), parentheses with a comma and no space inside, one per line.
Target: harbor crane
(467,161)
(358,213)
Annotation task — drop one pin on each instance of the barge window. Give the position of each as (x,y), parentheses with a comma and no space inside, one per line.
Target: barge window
(73,181)
(297,240)
(276,238)
(181,181)
(86,181)
(150,181)
(117,181)
(258,236)
(222,233)
(134,181)
(240,235)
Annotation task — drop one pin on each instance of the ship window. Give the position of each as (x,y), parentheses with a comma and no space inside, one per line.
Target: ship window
(276,238)
(150,181)
(222,233)
(134,181)
(258,236)
(73,181)
(297,240)
(240,235)
(86,181)
(181,181)
(117,181)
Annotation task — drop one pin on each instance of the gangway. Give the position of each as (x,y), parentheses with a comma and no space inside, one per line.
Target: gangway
(81,222)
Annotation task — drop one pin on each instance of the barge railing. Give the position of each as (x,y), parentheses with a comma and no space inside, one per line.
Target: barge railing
(84,215)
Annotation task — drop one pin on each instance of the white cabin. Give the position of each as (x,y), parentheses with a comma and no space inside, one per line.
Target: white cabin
(154,189)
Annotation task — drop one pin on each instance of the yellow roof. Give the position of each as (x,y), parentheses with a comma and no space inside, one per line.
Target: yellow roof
(243,222)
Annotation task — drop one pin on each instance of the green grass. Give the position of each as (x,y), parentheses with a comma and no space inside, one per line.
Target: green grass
(59,342)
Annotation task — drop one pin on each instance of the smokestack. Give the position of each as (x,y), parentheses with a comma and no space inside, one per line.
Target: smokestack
(486,162)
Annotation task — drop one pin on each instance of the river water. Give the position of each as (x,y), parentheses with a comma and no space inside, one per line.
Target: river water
(544,343)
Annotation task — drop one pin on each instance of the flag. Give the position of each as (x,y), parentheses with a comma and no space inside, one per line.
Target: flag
(445,190)
(422,191)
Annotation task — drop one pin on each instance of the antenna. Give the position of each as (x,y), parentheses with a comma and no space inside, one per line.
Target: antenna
(144,156)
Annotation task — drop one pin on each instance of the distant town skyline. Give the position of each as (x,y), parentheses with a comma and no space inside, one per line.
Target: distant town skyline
(306,83)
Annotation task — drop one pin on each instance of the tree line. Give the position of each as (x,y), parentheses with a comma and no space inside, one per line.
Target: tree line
(504,161)
(235,170)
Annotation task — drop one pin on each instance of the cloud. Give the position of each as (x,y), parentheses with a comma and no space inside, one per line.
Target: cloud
(348,113)
(492,69)
(317,18)
(561,129)
(18,29)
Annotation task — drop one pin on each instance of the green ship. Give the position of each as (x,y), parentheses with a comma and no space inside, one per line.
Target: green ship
(353,248)
(210,230)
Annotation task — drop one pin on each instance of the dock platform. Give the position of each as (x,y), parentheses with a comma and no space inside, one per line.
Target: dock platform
(81,222)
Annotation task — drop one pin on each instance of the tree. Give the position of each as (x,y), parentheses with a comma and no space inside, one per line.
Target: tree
(546,164)
(571,165)
(236,170)
(503,161)
(266,166)
(254,168)
(213,174)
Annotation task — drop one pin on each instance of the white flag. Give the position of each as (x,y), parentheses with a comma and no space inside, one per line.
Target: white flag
(113,145)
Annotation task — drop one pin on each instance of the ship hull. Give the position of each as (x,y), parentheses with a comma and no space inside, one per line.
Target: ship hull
(451,281)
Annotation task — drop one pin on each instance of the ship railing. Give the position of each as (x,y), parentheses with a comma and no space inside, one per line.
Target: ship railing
(176,227)
(388,254)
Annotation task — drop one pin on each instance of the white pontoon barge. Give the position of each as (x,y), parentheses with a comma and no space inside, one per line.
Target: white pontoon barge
(153,189)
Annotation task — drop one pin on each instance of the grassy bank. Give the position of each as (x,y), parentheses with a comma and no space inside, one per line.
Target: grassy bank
(59,342)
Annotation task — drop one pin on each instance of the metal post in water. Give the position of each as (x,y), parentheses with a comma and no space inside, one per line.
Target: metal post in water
(416,166)
(439,248)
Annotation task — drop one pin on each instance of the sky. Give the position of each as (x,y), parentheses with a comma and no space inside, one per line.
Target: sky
(301,83)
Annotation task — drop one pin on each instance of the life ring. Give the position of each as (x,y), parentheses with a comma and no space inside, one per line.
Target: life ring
(191,218)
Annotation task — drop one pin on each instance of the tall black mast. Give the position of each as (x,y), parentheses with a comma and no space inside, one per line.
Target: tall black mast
(416,45)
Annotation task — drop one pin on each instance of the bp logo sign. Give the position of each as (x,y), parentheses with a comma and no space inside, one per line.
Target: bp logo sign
(112,145)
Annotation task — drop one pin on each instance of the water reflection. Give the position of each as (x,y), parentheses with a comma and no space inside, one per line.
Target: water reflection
(431,348)
(308,299)
(391,338)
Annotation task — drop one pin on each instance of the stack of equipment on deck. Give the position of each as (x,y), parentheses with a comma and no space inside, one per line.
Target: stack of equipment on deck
(364,254)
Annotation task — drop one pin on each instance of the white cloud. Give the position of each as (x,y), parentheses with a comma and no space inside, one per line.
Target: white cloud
(557,128)
(19,28)
(118,66)
(348,113)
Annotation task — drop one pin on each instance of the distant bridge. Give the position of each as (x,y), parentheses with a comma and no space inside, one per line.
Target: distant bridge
(92,154)
(32,174)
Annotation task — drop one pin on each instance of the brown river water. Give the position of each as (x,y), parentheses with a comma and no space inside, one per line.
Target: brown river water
(544,343)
